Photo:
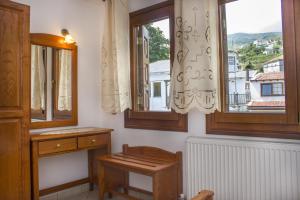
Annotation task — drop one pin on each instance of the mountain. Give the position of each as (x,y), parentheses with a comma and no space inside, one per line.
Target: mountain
(237,40)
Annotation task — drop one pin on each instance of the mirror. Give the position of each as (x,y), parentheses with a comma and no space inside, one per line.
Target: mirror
(53,82)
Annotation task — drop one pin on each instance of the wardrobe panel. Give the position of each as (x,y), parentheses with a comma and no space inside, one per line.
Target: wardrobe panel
(14,101)
(10,57)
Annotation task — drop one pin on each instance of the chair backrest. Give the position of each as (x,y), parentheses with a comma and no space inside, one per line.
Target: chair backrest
(204,195)
(152,152)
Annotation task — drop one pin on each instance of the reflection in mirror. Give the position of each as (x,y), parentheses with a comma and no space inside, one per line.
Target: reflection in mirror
(51,100)
(63,78)
(38,82)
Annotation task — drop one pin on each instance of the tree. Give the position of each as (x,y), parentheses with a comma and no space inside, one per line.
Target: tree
(159,47)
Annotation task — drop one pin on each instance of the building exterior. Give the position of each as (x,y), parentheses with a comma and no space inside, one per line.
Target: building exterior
(238,84)
(274,65)
(267,88)
(159,76)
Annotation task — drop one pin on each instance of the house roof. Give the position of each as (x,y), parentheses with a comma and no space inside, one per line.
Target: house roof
(274,59)
(266,104)
(269,76)
(160,66)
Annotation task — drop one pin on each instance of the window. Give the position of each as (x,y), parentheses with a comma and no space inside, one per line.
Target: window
(272,89)
(278,89)
(157,89)
(259,90)
(152,46)
(266,89)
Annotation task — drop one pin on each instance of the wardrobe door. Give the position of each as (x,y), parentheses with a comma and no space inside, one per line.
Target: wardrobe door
(14,101)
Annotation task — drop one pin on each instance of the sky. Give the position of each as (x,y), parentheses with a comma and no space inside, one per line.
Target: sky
(246,16)
(164,26)
(254,16)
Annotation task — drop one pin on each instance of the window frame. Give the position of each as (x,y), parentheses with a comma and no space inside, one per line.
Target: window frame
(272,91)
(276,125)
(152,120)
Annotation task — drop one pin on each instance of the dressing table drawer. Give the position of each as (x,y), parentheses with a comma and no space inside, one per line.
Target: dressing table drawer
(92,141)
(55,146)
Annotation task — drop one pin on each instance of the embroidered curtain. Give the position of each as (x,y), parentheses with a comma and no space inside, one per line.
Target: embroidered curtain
(37,78)
(195,74)
(116,96)
(65,80)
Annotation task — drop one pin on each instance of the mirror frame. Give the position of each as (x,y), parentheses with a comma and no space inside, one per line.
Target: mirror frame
(55,41)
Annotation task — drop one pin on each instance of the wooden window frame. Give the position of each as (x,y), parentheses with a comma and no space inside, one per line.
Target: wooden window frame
(164,121)
(276,125)
(272,92)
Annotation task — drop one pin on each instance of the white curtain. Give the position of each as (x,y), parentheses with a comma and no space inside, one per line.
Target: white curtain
(65,80)
(38,78)
(116,96)
(195,74)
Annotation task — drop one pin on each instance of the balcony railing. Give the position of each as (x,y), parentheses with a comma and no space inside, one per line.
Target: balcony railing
(238,99)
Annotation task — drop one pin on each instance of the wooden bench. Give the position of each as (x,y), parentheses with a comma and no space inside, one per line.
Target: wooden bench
(164,167)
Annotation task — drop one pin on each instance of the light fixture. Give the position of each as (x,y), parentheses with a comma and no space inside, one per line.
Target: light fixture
(68,38)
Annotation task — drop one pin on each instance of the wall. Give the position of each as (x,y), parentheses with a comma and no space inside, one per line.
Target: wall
(83,18)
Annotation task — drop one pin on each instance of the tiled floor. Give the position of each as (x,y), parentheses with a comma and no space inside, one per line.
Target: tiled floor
(94,196)
(82,193)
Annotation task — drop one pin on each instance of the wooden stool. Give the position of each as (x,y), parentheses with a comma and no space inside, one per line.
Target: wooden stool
(164,167)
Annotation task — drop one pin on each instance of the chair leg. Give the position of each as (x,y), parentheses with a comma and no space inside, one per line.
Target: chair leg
(101,185)
(162,189)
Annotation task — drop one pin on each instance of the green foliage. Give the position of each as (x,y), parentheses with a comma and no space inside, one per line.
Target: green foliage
(253,57)
(159,46)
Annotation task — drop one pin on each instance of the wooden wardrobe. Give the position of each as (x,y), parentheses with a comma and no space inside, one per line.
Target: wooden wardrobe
(14,101)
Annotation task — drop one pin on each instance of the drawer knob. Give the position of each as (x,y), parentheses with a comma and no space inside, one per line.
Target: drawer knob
(58,145)
(93,141)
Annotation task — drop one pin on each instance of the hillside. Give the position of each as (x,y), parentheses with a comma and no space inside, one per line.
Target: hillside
(237,40)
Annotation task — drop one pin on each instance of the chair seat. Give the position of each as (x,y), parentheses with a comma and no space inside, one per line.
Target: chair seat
(137,163)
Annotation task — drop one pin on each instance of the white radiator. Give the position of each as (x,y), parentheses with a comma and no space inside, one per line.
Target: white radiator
(243,170)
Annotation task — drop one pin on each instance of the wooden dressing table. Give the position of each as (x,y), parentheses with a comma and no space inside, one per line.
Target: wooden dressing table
(43,144)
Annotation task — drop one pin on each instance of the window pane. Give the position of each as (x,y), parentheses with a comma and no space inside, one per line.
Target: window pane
(266,89)
(277,89)
(253,49)
(153,66)
(157,89)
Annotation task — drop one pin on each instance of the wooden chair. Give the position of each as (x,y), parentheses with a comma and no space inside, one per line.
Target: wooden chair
(204,195)
(164,167)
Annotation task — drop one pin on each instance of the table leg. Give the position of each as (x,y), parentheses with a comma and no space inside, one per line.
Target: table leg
(101,184)
(91,168)
(35,171)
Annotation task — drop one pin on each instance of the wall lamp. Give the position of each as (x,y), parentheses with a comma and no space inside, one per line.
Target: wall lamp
(68,38)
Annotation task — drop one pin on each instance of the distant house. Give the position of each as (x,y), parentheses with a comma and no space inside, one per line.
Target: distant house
(267,88)
(238,84)
(159,76)
(274,65)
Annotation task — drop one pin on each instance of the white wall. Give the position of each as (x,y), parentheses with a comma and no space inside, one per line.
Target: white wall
(83,18)
(255,87)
